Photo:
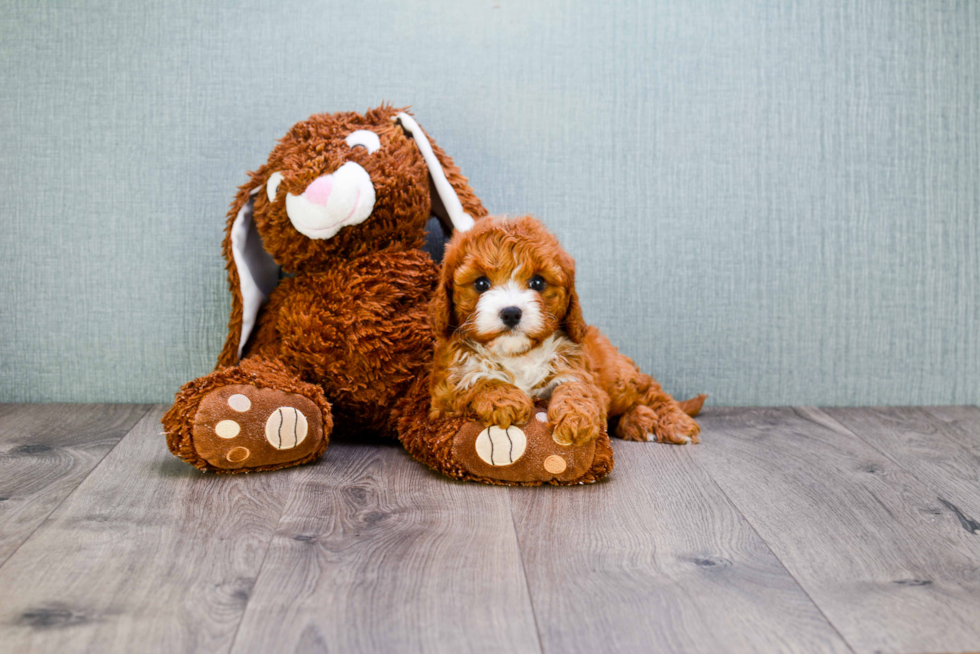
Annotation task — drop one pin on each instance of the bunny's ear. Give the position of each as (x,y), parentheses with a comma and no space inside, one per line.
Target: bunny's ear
(453,201)
(252,275)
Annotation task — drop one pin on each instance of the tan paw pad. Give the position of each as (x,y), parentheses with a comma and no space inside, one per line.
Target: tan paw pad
(239,403)
(227,429)
(237,454)
(555,464)
(501,447)
(286,428)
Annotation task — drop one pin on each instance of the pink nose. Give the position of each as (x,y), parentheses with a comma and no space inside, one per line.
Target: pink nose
(319,191)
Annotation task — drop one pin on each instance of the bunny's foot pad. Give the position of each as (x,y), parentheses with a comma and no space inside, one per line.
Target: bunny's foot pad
(520,453)
(241,427)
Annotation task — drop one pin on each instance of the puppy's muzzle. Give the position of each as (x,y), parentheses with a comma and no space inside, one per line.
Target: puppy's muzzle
(511,316)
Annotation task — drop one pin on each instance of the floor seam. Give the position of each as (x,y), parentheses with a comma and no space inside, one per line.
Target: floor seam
(265,555)
(925,483)
(527,585)
(146,412)
(783,565)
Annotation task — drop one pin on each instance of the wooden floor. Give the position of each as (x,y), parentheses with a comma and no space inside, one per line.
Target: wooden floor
(787,530)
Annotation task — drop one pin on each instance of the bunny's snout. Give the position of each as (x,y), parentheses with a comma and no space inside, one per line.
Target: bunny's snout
(332,202)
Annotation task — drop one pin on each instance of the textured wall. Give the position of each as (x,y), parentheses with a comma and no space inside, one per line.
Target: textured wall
(774,202)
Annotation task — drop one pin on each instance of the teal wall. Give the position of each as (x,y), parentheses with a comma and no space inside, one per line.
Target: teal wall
(773,202)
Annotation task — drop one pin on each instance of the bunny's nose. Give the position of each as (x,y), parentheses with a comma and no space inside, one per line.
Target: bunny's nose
(319,191)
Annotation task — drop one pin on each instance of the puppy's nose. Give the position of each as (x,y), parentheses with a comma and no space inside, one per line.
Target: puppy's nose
(318,192)
(511,316)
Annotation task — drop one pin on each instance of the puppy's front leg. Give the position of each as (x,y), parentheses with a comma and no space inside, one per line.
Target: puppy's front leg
(498,403)
(577,413)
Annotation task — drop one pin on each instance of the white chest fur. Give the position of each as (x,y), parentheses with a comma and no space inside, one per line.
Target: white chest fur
(535,372)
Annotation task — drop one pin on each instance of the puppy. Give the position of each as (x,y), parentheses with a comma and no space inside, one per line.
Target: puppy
(509,330)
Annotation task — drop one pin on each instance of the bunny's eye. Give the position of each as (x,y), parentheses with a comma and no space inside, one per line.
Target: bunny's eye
(365,139)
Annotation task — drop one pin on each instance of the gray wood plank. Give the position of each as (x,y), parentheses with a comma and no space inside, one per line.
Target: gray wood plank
(46,450)
(962,425)
(873,546)
(147,555)
(656,559)
(928,447)
(375,553)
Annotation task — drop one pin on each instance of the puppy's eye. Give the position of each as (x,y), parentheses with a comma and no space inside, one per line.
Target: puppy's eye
(365,139)
(482,284)
(537,283)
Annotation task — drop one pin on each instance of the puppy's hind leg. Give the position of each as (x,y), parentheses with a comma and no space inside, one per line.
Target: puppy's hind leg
(646,412)
(657,416)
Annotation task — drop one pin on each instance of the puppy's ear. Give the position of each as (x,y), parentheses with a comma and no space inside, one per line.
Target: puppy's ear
(573,324)
(442,310)
(252,272)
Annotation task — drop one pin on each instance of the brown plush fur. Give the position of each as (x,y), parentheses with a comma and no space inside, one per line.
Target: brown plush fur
(351,323)
(316,146)
(586,378)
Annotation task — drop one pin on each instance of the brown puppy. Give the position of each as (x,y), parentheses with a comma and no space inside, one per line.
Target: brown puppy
(509,329)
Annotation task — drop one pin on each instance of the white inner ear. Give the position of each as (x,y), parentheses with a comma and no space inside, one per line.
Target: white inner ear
(258,273)
(461,220)
(272,186)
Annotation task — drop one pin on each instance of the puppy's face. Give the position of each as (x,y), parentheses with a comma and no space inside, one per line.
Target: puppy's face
(512,285)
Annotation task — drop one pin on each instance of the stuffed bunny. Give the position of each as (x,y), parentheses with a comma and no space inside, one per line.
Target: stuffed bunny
(330,285)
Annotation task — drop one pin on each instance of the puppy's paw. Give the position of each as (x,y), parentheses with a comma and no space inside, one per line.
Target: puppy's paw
(641,423)
(678,428)
(637,424)
(502,406)
(574,424)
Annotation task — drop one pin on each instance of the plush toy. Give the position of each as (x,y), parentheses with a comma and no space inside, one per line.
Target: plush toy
(329,330)
(329,286)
